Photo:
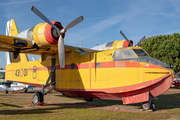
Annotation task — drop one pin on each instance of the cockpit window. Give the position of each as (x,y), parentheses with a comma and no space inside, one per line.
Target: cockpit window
(14,83)
(140,52)
(118,54)
(129,53)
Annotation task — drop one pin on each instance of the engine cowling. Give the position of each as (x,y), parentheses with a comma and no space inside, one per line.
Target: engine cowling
(112,45)
(45,35)
(42,34)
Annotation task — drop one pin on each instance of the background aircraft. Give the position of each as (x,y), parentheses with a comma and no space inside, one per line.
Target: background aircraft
(2,79)
(16,86)
(117,71)
(12,86)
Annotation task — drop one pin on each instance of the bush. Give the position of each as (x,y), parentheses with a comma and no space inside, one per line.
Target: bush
(165,48)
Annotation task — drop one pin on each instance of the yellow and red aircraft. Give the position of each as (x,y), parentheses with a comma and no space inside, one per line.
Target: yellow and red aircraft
(115,70)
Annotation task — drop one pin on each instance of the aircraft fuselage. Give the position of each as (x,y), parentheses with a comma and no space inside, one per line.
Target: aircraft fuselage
(126,73)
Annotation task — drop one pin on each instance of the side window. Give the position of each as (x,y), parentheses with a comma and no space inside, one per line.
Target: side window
(129,53)
(140,52)
(98,64)
(72,65)
(118,54)
(14,83)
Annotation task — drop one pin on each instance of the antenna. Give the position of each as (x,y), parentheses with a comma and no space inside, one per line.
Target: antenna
(79,44)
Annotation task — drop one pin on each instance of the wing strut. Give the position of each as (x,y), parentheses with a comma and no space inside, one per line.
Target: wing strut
(52,77)
(38,97)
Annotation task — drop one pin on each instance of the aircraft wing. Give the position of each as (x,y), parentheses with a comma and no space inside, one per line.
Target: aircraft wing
(30,87)
(23,45)
(15,88)
(3,87)
(77,50)
(9,43)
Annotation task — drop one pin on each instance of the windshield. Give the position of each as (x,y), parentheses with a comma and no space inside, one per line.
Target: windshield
(129,53)
(118,54)
(140,52)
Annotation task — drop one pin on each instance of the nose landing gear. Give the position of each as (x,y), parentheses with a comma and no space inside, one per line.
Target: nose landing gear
(149,105)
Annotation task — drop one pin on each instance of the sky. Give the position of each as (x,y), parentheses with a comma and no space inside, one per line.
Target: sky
(103,19)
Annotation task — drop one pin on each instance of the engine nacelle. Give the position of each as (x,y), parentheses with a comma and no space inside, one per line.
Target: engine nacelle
(112,45)
(42,34)
(45,35)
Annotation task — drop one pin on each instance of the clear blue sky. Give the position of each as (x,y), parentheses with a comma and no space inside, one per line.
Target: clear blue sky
(103,19)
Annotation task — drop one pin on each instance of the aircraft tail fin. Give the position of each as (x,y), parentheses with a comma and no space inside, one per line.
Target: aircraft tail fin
(11,30)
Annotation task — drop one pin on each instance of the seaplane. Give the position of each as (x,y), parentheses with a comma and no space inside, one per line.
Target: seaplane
(116,70)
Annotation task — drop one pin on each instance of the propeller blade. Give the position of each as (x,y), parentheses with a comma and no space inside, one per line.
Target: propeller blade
(73,23)
(125,37)
(38,13)
(61,52)
(142,39)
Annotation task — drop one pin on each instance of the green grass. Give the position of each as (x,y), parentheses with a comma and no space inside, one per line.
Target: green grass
(18,105)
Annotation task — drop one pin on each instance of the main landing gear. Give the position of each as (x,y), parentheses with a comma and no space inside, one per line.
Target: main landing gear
(38,97)
(149,105)
(88,99)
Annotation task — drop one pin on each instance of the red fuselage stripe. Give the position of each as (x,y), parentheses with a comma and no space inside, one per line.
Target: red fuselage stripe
(112,64)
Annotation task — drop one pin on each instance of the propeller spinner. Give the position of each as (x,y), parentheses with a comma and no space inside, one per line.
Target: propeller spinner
(60,32)
(125,37)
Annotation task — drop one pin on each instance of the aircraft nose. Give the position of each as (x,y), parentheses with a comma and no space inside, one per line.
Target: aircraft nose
(156,62)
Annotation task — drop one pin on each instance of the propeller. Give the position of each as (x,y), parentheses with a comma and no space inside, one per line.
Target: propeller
(142,39)
(125,37)
(61,52)
(38,13)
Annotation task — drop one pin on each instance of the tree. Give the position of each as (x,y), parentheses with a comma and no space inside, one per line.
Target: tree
(165,48)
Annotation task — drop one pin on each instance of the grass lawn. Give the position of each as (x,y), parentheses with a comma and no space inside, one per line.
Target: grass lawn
(18,105)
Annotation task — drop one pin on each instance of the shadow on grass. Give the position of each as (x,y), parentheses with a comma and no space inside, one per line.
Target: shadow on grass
(11,105)
(30,111)
(169,101)
(165,102)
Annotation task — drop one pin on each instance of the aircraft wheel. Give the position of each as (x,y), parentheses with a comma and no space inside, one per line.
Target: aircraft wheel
(153,107)
(146,106)
(6,92)
(88,99)
(25,90)
(37,98)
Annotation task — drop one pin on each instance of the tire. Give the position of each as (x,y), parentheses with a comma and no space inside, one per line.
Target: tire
(37,98)
(146,106)
(6,92)
(25,91)
(153,107)
(88,99)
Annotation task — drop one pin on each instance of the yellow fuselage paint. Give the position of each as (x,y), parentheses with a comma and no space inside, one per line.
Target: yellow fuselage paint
(89,71)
